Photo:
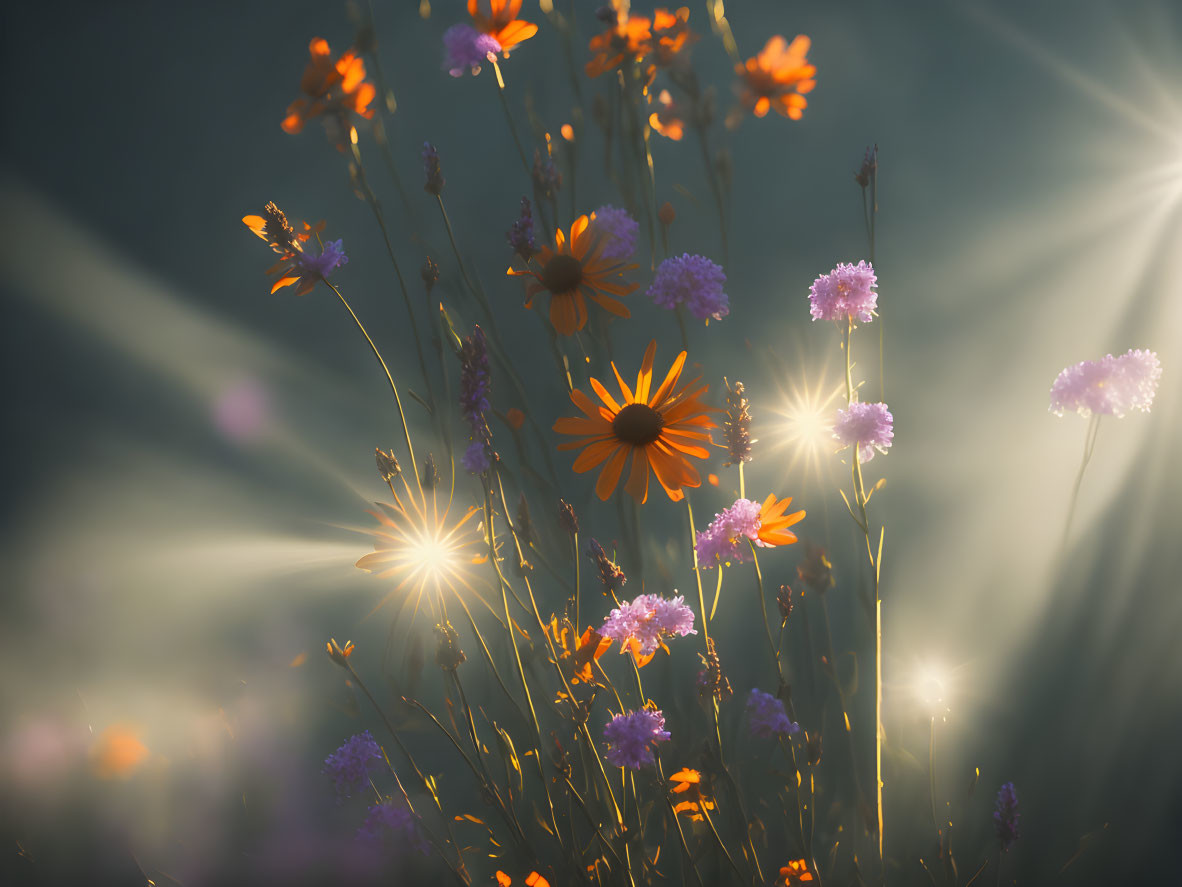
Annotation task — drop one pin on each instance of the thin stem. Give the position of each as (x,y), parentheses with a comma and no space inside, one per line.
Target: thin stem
(716,189)
(697,572)
(1089,447)
(763,611)
(509,117)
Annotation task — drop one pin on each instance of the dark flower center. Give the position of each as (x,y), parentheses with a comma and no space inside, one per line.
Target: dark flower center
(637,424)
(562,274)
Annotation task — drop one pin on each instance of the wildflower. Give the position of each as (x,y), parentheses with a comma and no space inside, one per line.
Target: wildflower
(617,232)
(1110,386)
(631,736)
(448,654)
(1005,816)
(816,570)
(388,822)
(658,429)
(573,272)
(350,765)
(669,118)
(845,293)
(433,176)
(868,426)
(567,519)
(737,425)
(690,796)
(640,626)
(521,235)
(796,872)
(577,653)
(610,573)
(784,602)
(693,281)
(627,36)
(533,879)
(466,49)
(498,19)
(671,37)
(767,716)
(546,175)
(474,389)
(338,654)
(711,681)
(296,264)
(332,89)
(117,752)
(388,467)
(764,524)
(869,168)
(778,78)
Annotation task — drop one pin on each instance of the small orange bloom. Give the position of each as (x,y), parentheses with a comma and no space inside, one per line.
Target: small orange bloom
(573,272)
(774,524)
(332,88)
(294,265)
(638,37)
(500,22)
(671,34)
(687,785)
(118,752)
(577,654)
(658,429)
(515,418)
(777,78)
(667,120)
(796,872)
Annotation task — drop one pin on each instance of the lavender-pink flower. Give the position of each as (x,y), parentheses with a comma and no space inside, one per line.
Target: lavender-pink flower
(692,281)
(868,426)
(630,738)
(1110,386)
(726,537)
(349,766)
(466,49)
(647,619)
(617,231)
(846,292)
(767,716)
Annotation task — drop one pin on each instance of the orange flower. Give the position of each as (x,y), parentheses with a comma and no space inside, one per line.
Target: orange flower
(657,429)
(687,784)
(630,36)
(672,34)
(118,752)
(294,265)
(774,524)
(796,872)
(574,271)
(501,22)
(777,78)
(577,654)
(333,88)
(667,120)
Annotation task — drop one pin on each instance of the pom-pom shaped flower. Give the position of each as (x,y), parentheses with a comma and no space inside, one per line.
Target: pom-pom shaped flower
(867,426)
(693,281)
(641,625)
(466,49)
(1110,386)
(617,232)
(764,524)
(1005,815)
(393,825)
(349,766)
(846,292)
(767,716)
(630,738)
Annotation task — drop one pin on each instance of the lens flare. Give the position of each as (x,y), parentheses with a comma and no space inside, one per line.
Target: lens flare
(804,420)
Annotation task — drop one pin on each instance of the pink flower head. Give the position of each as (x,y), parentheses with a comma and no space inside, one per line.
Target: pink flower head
(617,230)
(693,281)
(466,49)
(868,426)
(631,736)
(1110,386)
(845,292)
(725,538)
(646,620)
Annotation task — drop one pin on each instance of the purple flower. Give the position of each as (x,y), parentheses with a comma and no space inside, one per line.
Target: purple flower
(474,388)
(693,281)
(1110,386)
(349,765)
(630,738)
(868,426)
(433,180)
(767,716)
(646,620)
(466,49)
(724,539)
(618,231)
(845,292)
(475,459)
(521,235)
(314,267)
(547,176)
(388,822)
(1005,815)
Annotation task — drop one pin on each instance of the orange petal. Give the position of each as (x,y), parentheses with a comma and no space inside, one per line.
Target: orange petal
(637,485)
(610,475)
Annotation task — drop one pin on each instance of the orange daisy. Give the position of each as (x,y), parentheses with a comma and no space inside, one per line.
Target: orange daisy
(573,272)
(774,524)
(500,22)
(687,785)
(652,429)
(333,88)
(629,36)
(777,78)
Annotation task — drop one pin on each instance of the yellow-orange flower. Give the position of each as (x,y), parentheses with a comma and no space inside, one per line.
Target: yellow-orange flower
(334,88)
(650,429)
(778,78)
(774,524)
(500,22)
(671,34)
(576,653)
(667,119)
(687,786)
(796,872)
(573,272)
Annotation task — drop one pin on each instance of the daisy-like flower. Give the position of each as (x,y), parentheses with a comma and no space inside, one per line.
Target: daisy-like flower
(1005,815)
(1110,386)
(845,293)
(766,525)
(672,37)
(693,281)
(640,626)
(394,825)
(332,89)
(296,265)
(631,737)
(767,716)
(350,765)
(576,653)
(778,78)
(627,36)
(658,429)
(465,49)
(573,272)
(689,793)
(867,426)
(618,231)
(498,19)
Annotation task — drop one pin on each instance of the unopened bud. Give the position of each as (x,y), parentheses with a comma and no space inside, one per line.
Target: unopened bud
(388,467)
